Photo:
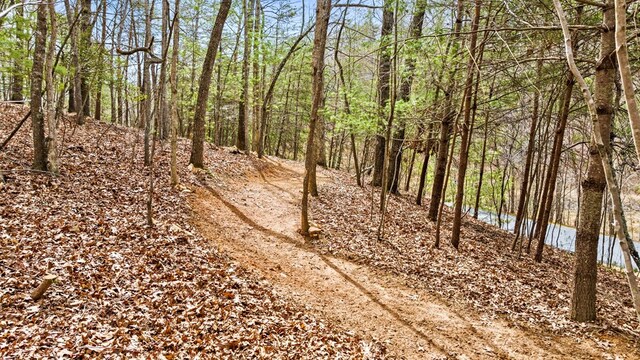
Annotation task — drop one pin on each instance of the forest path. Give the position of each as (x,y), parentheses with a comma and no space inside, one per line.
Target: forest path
(255,219)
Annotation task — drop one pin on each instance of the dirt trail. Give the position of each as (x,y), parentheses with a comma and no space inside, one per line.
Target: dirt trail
(255,220)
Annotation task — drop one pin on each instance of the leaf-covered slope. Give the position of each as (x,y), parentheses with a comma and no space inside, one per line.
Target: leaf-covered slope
(125,290)
(484,273)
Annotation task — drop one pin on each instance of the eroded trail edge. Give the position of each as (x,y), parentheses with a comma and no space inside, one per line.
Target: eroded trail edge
(255,219)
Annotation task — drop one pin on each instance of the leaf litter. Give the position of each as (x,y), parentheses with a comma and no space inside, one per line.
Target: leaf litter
(484,274)
(126,290)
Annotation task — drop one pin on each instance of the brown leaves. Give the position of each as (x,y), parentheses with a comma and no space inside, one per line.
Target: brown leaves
(125,290)
(484,274)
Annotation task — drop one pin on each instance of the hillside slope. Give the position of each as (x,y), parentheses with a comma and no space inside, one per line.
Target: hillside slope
(124,289)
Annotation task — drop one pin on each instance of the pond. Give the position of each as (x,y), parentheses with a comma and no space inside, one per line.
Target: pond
(563,237)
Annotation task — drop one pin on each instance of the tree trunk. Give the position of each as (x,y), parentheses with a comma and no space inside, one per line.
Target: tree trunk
(445,127)
(17,78)
(103,39)
(323,11)
(257,89)
(51,140)
(269,95)
(75,95)
(384,69)
(425,164)
(395,159)
(85,42)
(546,200)
(145,103)
(629,93)
(173,78)
(197,145)
(524,187)
(37,70)
(483,158)
(244,106)
(466,125)
(607,164)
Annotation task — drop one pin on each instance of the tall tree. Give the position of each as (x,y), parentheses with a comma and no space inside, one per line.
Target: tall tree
(37,71)
(612,185)
(51,140)
(466,127)
(197,145)
(384,71)
(583,300)
(415,32)
(448,115)
(244,106)
(17,76)
(323,11)
(173,79)
(548,190)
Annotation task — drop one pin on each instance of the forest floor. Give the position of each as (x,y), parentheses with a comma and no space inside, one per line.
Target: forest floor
(223,272)
(125,289)
(456,308)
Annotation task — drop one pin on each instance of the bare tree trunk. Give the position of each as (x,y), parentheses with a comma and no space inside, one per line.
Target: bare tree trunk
(162,117)
(145,103)
(395,160)
(612,185)
(103,39)
(347,107)
(269,95)
(323,11)
(257,91)
(425,163)
(197,145)
(625,71)
(629,93)
(466,125)
(445,126)
(524,187)
(546,200)
(17,76)
(483,158)
(75,90)
(583,300)
(384,68)
(85,42)
(173,78)
(51,142)
(244,106)
(37,69)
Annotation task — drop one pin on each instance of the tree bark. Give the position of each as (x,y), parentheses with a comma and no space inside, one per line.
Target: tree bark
(244,106)
(173,78)
(197,145)
(583,300)
(629,92)
(51,140)
(466,125)
(524,186)
(395,159)
(17,78)
(269,95)
(323,11)
(37,70)
(607,164)
(546,200)
(445,126)
(384,69)
(345,98)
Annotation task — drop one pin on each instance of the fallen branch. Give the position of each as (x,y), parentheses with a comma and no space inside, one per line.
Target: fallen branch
(15,130)
(47,280)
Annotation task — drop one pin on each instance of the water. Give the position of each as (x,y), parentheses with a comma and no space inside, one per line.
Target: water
(563,237)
